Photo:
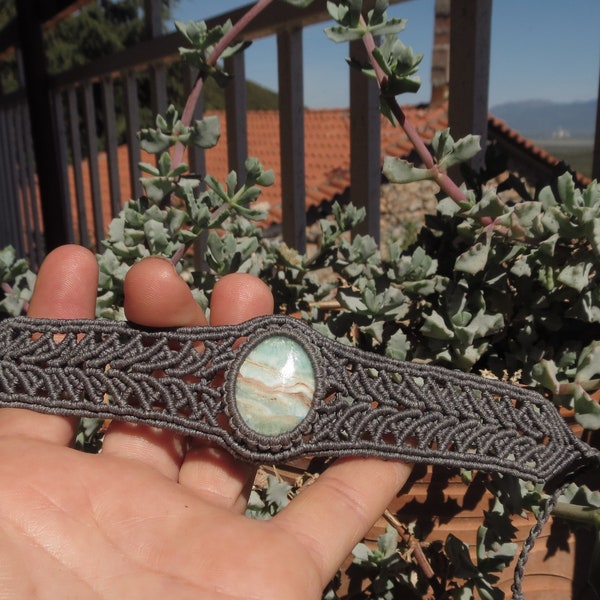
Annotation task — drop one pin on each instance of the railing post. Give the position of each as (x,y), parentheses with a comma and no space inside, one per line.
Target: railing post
(291,136)
(37,241)
(365,145)
(133,124)
(470,34)
(235,114)
(94,172)
(11,232)
(108,96)
(52,187)
(76,151)
(596,157)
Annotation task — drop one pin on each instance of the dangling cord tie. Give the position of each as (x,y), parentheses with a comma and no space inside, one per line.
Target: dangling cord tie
(543,518)
(529,543)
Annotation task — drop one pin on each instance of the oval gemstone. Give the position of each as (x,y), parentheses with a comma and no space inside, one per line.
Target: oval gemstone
(274,386)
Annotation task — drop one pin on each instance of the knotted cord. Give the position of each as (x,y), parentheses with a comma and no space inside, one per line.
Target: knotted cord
(187,380)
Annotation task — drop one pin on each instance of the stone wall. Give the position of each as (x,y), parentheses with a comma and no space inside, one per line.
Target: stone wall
(404,206)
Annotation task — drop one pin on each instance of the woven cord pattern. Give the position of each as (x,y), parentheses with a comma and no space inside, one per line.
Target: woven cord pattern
(364,405)
(368,405)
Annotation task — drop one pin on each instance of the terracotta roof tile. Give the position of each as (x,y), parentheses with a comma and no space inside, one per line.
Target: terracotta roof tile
(327,148)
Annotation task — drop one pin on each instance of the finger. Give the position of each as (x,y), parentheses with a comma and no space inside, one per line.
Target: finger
(65,288)
(331,516)
(207,469)
(155,296)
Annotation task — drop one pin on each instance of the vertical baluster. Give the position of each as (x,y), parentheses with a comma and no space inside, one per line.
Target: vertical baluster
(470,67)
(110,135)
(23,223)
(235,115)
(63,160)
(36,233)
(92,148)
(76,154)
(596,155)
(158,89)
(132,119)
(365,145)
(6,235)
(291,136)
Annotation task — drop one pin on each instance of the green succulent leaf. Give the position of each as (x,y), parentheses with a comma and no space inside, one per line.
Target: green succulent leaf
(205,133)
(387,543)
(593,233)
(587,411)
(545,372)
(435,327)
(399,63)
(278,492)
(398,345)
(588,366)
(474,259)
(575,276)
(448,153)
(398,170)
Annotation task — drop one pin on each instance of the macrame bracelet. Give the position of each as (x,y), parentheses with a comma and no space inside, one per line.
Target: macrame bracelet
(273,389)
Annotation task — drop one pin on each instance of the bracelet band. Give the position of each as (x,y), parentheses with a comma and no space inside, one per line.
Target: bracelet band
(273,389)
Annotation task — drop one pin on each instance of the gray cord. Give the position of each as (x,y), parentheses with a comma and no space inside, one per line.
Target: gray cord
(359,404)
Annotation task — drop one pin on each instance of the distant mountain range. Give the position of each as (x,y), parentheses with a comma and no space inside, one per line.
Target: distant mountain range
(543,119)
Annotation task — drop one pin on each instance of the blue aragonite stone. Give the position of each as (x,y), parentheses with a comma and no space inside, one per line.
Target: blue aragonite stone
(275,386)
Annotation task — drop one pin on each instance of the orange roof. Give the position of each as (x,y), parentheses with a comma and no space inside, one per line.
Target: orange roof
(327,153)
(327,149)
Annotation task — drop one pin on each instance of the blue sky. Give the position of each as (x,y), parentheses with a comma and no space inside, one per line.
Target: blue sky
(541,49)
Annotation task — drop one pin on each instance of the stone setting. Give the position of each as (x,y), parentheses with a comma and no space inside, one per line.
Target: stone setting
(274,386)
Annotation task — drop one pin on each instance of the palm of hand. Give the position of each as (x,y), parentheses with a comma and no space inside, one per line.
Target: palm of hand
(106,527)
(155,515)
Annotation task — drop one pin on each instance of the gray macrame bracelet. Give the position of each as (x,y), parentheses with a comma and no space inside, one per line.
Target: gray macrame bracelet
(273,389)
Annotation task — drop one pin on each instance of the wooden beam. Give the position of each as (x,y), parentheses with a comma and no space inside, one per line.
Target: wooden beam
(52,11)
(167,46)
(470,34)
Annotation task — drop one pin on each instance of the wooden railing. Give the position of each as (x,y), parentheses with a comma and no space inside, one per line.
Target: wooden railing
(72,191)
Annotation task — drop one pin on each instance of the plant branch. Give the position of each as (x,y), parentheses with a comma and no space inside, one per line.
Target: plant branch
(226,40)
(192,100)
(441,177)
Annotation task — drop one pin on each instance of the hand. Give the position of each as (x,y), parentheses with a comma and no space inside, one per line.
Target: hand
(153,516)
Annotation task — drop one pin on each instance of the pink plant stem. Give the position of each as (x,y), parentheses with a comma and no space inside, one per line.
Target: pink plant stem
(192,100)
(226,40)
(441,176)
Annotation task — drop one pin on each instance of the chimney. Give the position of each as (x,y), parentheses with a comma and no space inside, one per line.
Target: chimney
(440,62)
